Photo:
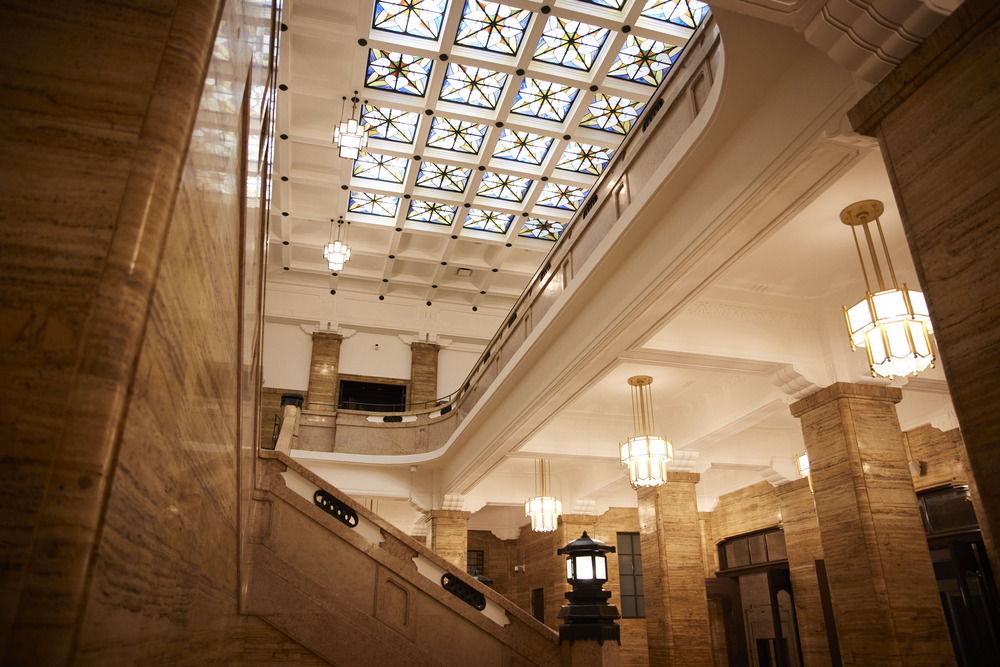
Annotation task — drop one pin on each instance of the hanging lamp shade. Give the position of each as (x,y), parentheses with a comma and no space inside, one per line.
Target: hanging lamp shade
(349,136)
(337,252)
(543,508)
(645,455)
(892,323)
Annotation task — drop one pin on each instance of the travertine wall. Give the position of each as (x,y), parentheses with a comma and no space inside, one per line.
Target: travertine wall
(324,380)
(500,557)
(121,371)
(936,121)
(423,374)
(450,535)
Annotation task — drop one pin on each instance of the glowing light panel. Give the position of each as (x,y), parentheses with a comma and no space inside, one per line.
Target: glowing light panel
(429,211)
(488,221)
(504,186)
(390,124)
(687,13)
(644,60)
(373,204)
(585,158)
(543,99)
(443,177)
(417,18)
(397,71)
(476,86)
(380,167)
(542,229)
(562,196)
(570,43)
(522,147)
(456,135)
(492,26)
(612,114)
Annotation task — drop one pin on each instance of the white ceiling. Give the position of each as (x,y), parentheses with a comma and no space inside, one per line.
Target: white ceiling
(724,369)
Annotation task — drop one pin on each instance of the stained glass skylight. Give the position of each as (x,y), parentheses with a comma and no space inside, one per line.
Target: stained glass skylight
(492,26)
(585,158)
(443,177)
(373,204)
(456,135)
(570,43)
(504,186)
(543,99)
(562,196)
(687,13)
(613,4)
(542,229)
(612,114)
(417,18)
(477,86)
(380,167)
(389,124)
(429,211)
(488,221)
(522,146)
(397,71)
(644,60)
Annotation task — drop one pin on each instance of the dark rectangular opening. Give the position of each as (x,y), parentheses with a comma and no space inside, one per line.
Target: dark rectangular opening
(372,396)
(538,604)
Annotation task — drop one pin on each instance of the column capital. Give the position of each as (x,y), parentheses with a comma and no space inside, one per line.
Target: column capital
(688,477)
(329,335)
(838,390)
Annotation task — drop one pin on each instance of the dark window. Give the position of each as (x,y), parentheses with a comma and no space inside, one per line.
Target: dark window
(538,604)
(767,546)
(474,562)
(372,396)
(947,511)
(630,576)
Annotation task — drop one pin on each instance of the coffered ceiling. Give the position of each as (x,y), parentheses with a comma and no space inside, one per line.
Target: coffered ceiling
(488,125)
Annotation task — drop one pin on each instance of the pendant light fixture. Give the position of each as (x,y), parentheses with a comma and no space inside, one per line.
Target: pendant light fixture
(349,135)
(337,251)
(543,508)
(646,455)
(892,324)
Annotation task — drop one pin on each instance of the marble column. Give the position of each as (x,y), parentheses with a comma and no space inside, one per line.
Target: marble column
(674,580)
(423,373)
(324,380)
(882,586)
(936,120)
(804,548)
(450,535)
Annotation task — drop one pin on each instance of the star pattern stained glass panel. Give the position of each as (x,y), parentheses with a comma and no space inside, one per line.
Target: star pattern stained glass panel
(417,18)
(476,86)
(570,43)
(397,71)
(687,13)
(373,204)
(562,196)
(492,26)
(488,221)
(585,158)
(543,99)
(456,135)
(380,167)
(522,146)
(443,177)
(504,186)
(433,212)
(644,60)
(612,114)
(389,124)
(542,229)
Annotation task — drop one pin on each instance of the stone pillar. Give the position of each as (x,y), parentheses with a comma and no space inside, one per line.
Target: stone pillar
(882,588)
(936,120)
(674,581)
(804,548)
(589,654)
(423,373)
(450,535)
(324,381)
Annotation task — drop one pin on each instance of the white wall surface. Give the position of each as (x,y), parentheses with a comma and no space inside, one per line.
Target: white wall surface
(360,356)
(287,353)
(453,368)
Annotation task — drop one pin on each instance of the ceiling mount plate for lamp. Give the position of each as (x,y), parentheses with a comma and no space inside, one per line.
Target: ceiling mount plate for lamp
(862,212)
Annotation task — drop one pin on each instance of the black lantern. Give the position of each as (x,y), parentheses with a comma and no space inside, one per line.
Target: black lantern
(588,614)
